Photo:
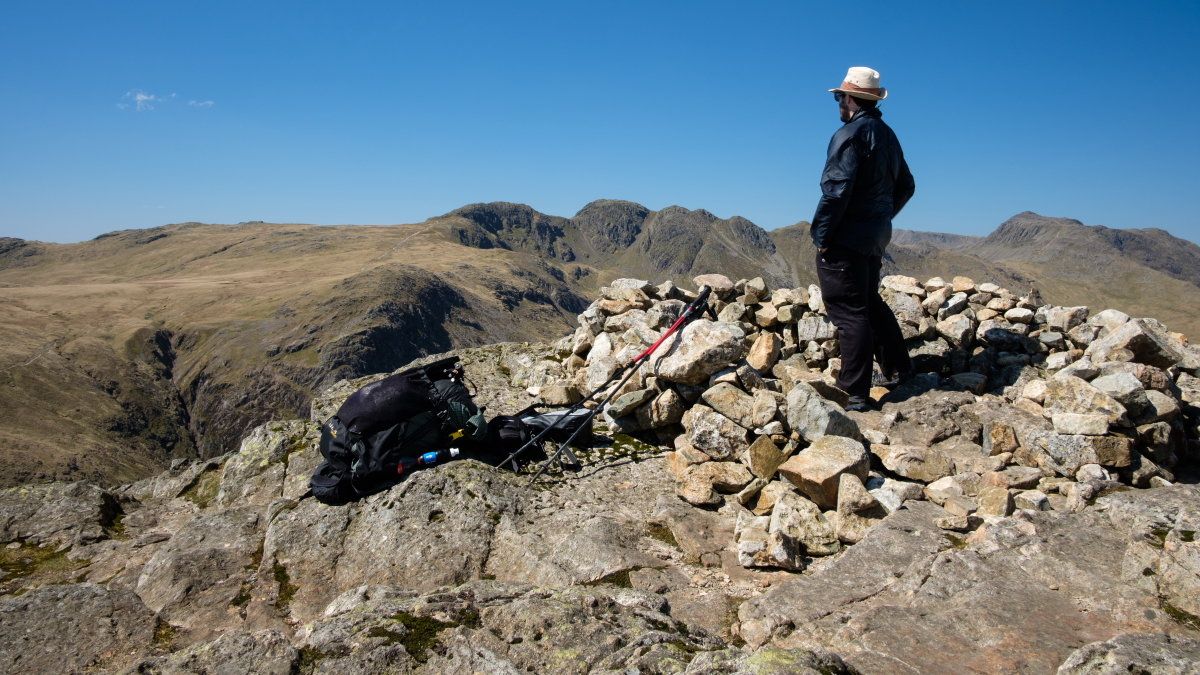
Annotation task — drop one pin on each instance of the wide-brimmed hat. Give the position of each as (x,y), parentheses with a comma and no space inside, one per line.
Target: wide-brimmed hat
(862,82)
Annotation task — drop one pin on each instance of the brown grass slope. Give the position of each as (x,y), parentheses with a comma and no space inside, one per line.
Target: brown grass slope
(122,353)
(1141,272)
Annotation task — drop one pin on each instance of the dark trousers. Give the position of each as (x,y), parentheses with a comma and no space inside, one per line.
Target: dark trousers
(866,325)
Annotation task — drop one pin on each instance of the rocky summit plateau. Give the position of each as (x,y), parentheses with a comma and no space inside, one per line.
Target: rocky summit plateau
(1027,503)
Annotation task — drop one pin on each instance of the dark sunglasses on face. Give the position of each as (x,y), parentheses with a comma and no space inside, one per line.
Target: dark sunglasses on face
(839,95)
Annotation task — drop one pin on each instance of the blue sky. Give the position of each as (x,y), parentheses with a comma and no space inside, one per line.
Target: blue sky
(134,114)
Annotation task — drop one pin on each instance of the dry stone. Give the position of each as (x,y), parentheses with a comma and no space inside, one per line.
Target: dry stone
(795,519)
(994,501)
(714,434)
(754,547)
(816,470)
(914,462)
(857,509)
(815,328)
(957,329)
(665,410)
(1077,423)
(724,477)
(1145,341)
(765,352)
(627,403)
(704,348)
(812,416)
(763,457)
(731,402)
(1066,393)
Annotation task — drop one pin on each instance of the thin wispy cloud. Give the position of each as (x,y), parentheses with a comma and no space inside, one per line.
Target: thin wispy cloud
(143,101)
(139,100)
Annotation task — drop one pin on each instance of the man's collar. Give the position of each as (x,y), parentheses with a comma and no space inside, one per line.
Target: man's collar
(865,112)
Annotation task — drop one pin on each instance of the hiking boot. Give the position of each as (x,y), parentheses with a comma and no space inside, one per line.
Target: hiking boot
(858,404)
(891,381)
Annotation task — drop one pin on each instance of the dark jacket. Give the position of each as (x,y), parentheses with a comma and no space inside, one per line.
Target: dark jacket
(865,184)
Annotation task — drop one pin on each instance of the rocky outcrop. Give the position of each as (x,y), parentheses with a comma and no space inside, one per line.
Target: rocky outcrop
(730,517)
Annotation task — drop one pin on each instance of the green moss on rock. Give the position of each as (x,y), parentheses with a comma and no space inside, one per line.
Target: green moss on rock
(420,634)
(27,566)
(204,488)
(663,534)
(287,591)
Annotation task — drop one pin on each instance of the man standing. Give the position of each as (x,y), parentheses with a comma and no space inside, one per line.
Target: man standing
(865,184)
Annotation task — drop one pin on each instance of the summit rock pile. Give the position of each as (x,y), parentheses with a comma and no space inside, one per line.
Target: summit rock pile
(1018,406)
(1025,504)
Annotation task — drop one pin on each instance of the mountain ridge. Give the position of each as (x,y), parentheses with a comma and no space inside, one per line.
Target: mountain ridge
(172,341)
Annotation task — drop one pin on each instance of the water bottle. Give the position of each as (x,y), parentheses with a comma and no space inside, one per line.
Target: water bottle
(427,459)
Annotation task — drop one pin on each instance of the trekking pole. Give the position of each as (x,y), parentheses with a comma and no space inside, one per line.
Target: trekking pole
(694,309)
(689,312)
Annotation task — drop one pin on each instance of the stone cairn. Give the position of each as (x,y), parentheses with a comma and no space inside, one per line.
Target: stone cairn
(1019,406)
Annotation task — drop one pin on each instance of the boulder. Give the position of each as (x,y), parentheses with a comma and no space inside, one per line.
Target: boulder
(601,363)
(724,477)
(763,457)
(629,402)
(816,471)
(1125,388)
(628,283)
(732,313)
(755,549)
(902,284)
(56,514)
(1022,477)
(1066,393)
(1135,653)
(714,434)
(1143,340)
(766,316)
(857,509)
(1032,500)
(812,416)
(1080,423)
(704,347)
(914,462)
(957,329)
(955,304)
(720,284)
(665,410)
(1157,407)
(267,652)
(733,403)
(796,520)
(73,628)
(764,353)
(994,501)
(815,328)
(1065,318)
(1066,453)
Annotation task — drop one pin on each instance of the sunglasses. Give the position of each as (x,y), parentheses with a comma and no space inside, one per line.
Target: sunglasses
(839,95)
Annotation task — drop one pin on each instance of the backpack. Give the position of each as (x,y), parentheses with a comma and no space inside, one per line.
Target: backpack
(388,421)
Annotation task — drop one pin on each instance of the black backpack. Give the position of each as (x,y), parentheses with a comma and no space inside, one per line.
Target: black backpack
(507,433)
(389,421)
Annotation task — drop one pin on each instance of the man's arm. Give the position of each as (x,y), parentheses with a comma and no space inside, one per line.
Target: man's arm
(837,183)
(904,188)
